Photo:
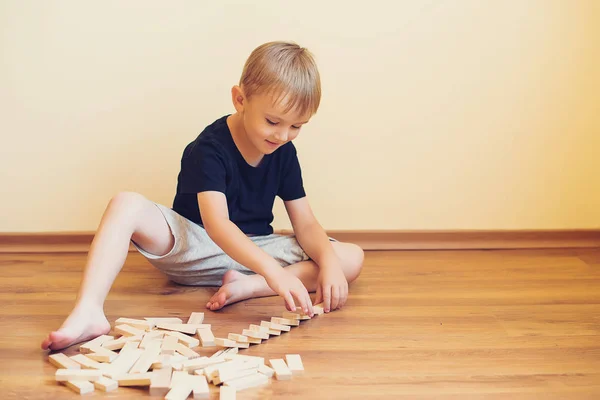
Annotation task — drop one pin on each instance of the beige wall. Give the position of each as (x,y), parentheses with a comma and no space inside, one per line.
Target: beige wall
(435,115)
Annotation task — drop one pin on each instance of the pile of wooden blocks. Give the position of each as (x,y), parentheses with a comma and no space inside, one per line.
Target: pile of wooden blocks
(159,353)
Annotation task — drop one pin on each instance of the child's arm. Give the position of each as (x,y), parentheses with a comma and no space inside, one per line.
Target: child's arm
(332,287)
(215,217)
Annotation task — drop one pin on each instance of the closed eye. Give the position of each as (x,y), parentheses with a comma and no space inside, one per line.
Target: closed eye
(271,122)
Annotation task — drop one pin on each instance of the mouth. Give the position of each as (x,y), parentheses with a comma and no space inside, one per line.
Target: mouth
(272,144)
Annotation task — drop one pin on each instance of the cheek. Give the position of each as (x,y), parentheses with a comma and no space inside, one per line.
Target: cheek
(262,132)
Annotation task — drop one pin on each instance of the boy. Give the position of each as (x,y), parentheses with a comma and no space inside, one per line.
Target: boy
(219,232)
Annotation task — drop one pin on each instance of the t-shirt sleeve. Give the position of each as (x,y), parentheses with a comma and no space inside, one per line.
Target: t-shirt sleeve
(291,186)
(203,169)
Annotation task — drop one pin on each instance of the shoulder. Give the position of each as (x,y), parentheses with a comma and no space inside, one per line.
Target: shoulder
(210,142)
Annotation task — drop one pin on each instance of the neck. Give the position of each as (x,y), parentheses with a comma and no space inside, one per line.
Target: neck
(240,138)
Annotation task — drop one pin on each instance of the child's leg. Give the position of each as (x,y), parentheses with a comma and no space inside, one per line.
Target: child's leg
(129,216)
(237,286)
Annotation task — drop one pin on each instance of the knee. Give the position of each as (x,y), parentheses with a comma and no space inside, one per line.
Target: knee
(127,203)
(354,260)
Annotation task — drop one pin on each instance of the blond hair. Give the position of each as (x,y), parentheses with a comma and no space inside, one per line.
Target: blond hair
(285,70)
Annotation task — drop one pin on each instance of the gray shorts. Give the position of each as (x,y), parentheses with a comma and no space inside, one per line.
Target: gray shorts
(196,260)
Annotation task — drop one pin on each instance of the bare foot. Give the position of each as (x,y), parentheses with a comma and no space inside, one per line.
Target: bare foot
(83,324)
(234,289)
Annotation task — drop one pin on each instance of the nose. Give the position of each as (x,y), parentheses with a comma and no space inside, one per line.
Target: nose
(282,135)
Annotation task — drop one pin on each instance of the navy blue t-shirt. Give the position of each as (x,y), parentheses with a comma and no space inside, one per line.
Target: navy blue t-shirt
(213,162)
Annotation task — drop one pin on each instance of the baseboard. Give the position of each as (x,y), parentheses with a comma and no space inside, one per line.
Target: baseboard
(77,242)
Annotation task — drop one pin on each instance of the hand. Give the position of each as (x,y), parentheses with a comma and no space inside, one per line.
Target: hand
(332,287)
(290,287)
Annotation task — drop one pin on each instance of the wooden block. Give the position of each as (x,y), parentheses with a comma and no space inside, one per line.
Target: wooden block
(230,350)
(102,354)
(241,345)
(318,309)
(144,379)
(100,357)
(166,360)
(238,338)
(161,381)
(263,369)
(225,342)
(190,329)
(145,361)
(301,315)
(199,386)
(243,357)
(228,375)
(136,323)
(132,344)
(213,371)
(294,363)
(186,351)
(284,321)
(87,363)
(81,387)
(200,363)
(148,338)
(272,325)
(169,345)
(169,320)
(252,340)
(206,337)
(282,372)
(264,329)
(105,384)
(258,328)
(255,335)
(185,339)
(247,382)
(60,360)
(195,363)
(156,334)
(227,393)
(196,318)
(218,354)
(231,373)
(178,378)
(147,341)
(231,370)
(127,330)
(85,348)
(120,342)
(291,315)
(180,392)
(127,358)
(63,375)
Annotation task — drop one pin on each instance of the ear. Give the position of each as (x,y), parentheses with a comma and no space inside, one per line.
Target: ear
(238,98)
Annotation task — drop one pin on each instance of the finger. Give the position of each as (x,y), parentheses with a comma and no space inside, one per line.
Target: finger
(335,297)
(311,312)
(289,302)
(344,296)
(301,297)
(309,305)
(319,296)
(327,298)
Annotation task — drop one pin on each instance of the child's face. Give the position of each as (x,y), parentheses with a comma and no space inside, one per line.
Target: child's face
(268,126)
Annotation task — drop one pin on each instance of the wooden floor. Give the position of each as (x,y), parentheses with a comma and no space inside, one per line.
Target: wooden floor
(454,324)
